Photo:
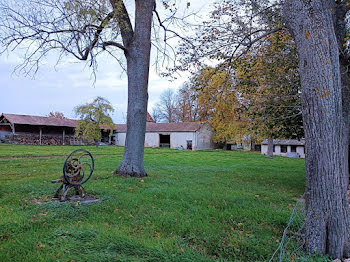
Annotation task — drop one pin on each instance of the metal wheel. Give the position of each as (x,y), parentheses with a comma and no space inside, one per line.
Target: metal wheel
(78,167)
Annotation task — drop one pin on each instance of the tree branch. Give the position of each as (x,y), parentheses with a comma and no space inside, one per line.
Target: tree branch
(169,30)
(112,43)
(103,24)
(123,20)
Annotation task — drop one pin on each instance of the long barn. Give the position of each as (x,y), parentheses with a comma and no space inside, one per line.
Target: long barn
(27,129)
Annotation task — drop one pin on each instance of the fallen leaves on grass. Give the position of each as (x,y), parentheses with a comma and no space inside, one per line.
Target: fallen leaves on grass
(39,244)
(5,237)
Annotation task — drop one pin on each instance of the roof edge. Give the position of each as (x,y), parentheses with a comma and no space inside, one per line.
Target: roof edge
(4,115)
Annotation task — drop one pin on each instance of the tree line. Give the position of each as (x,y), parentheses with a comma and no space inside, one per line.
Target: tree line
(255,97)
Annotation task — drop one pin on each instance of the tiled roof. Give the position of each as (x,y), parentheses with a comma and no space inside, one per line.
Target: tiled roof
(289,142)
(51,121)
(166,127)
(39,120)
(149,118)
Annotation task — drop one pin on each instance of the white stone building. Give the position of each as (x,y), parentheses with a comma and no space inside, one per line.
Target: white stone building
(285,147)
(192,136)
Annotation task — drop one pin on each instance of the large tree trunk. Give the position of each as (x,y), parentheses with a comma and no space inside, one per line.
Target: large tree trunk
(340,30)
(327,210)
(138,60)
(269,147)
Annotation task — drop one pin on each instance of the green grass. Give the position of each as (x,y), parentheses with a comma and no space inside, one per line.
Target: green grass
(194,206)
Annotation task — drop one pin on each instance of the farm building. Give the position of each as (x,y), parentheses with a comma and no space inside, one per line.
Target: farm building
(285,147)
(26,129)
(191,135)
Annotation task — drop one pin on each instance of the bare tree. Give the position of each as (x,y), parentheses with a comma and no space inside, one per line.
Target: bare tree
(55,114)
(84,30)
(187,108)
(156,115)
(165,109)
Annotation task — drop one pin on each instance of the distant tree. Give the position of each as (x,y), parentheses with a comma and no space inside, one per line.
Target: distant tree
(269,85)
(156,114)
(164,111)
(56,115)
(186,106)
(219,105)
(92,117)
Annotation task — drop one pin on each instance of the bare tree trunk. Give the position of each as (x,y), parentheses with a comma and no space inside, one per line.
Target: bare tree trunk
(138,60)
(327,210)
(269,147)
(252,144)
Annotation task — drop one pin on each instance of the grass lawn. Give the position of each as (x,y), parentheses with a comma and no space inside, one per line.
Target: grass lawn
(193,206)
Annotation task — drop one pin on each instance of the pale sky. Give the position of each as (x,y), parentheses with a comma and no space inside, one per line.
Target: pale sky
(71,84)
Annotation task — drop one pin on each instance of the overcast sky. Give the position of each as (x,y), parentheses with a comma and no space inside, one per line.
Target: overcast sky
(71,84)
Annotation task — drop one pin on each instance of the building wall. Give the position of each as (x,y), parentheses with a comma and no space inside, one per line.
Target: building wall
(152,140)
(278,150)
(177,139)
(119,139)
(299,149)
(204,138)
(264,149)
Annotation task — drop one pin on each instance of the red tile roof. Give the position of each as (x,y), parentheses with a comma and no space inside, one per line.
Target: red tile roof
(166,127)
(51,121)
(149,118)
(39,120)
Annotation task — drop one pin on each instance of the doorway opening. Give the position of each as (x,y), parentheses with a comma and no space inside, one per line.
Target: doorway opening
(164,141)
(189,144)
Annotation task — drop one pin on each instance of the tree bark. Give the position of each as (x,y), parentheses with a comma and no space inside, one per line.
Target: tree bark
(327,210)
(269,147)
(138,60)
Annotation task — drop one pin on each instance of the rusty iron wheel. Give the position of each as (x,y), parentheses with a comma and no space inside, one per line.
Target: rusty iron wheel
(78,167)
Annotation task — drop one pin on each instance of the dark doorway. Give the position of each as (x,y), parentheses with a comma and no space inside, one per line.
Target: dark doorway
(189,144)
(257,148)
(293,149)
(164,141)
(284,149)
